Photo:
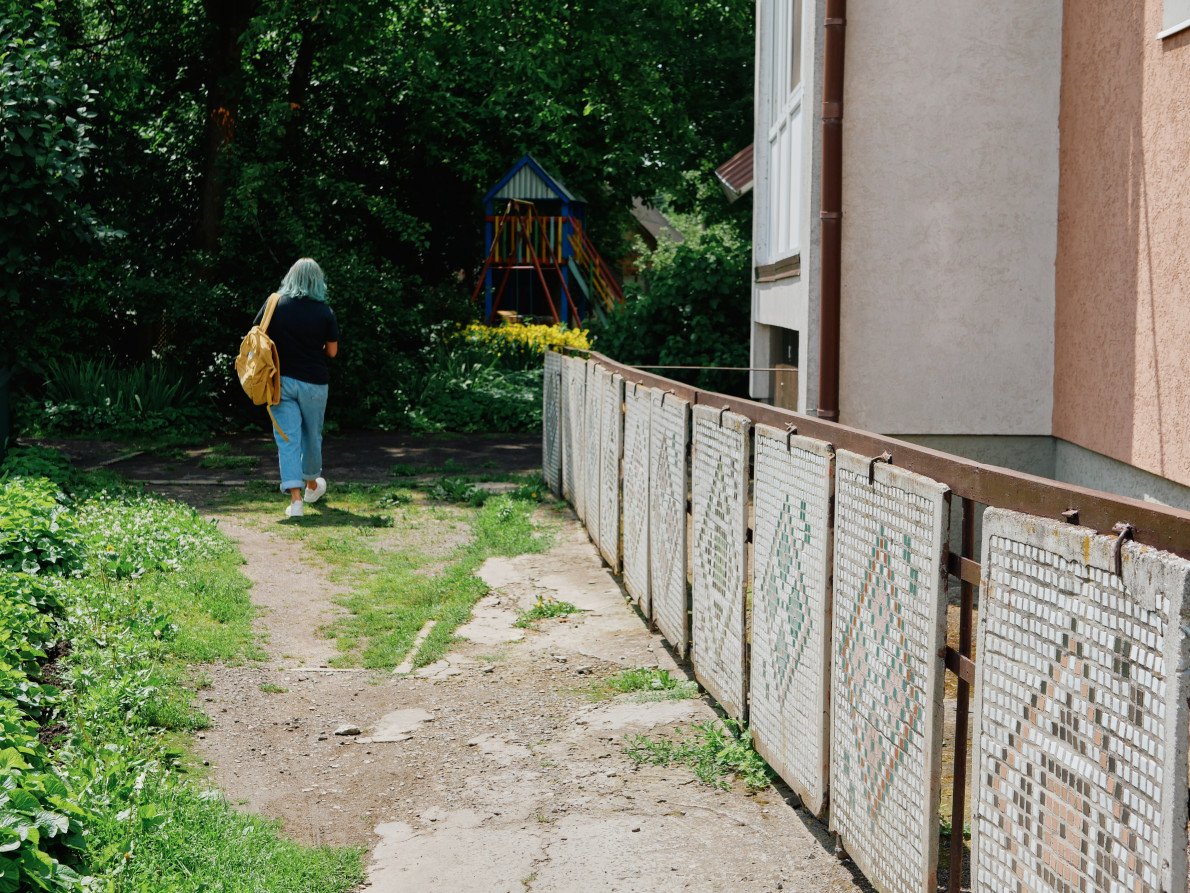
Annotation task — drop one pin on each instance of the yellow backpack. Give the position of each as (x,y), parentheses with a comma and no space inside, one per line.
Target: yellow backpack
(258,366)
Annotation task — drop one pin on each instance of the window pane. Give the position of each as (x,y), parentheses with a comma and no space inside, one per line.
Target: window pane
(795,46)
(1176,12)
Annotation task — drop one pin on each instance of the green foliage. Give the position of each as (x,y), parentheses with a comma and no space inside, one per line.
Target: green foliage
(40,462)
(691,308)
(544,608)
(646,684)
(44,141)
(716,751)
(362,134)
(83,394)
(37,535)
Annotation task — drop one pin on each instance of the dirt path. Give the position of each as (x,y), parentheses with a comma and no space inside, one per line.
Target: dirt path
(491,770)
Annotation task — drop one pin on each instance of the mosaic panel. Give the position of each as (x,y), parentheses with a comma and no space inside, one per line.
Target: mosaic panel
(573,376)
(669,465)
(591,464)
(719,488)
(551,422)
(611,434)
(1083,679)
(791,609)
(637,405)
(888,624)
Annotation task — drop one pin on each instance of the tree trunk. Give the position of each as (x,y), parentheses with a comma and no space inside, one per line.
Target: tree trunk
(299,86)
(228,20)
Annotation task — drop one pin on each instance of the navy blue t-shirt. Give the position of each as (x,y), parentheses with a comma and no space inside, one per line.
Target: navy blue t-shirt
(300,328)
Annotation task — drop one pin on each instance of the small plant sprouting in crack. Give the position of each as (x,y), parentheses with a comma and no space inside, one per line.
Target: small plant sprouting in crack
(645,684)
(543,609)
(272,688)
(716,751)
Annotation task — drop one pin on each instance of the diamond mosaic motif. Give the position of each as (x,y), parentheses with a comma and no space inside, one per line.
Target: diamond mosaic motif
(719,488)
(592,467)
(637,414)
(611,433)
(551,422)
(889,622)
(1083,679)
(573,403)
(794,480)
(669,433)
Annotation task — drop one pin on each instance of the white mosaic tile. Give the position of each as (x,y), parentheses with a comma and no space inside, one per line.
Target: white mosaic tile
(889,623)
(551,422)
(592,467)
(669,434)
(611,434)
(574,373)
(719,488)
(791,609)
(638,406)
(1083,679)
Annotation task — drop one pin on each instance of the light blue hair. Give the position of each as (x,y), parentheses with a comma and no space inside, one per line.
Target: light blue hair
(304,280)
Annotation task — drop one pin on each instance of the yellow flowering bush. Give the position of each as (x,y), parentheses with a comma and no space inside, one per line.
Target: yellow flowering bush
(521,346)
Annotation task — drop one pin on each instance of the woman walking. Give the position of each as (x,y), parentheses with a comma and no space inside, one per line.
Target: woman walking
(306,334)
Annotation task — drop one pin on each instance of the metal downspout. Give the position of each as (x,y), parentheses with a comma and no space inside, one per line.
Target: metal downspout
(831,213)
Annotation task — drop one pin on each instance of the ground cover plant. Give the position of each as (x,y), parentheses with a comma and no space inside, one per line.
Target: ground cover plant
(396,590)
(544,609)
(717,751)
(643,684)
(108,597)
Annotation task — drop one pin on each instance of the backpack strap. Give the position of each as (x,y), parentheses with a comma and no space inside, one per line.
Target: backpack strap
(269,409)
(269,307)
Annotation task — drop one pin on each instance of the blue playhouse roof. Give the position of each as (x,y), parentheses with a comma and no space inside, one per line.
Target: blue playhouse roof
(528,180)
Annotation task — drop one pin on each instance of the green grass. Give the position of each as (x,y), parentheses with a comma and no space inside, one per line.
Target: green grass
(221,457)
(543,609)
(363,537)
(153,590)
(272,688)
(716,751)
(645,684)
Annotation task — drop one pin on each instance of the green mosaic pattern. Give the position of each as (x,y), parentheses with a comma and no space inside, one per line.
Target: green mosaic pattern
(886,674)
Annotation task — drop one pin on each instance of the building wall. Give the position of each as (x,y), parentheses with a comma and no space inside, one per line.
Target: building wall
(950,182)
(790,303)
(1122,327)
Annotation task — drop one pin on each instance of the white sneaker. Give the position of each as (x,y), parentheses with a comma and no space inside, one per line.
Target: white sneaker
(315,494)
(295,510)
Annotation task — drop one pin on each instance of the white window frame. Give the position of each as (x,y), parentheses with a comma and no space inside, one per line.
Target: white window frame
(782,55)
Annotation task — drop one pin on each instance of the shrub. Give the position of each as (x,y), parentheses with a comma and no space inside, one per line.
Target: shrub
(36,533)
(517,346)
(691,307)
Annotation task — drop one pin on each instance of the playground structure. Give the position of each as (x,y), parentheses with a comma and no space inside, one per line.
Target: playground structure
(540,261)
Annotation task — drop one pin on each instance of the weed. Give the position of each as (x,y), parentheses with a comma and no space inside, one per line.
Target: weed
(395,499)
(272,688)
(220,456)
(457,489)
(646,684)
(543,609)
(716,751)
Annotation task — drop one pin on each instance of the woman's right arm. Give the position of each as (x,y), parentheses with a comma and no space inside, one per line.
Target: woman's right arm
(332,349)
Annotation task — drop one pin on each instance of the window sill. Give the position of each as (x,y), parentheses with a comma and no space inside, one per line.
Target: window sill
(786,268)
(1173,29)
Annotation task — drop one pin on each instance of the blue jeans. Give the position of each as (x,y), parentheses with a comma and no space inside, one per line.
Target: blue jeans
(300,414)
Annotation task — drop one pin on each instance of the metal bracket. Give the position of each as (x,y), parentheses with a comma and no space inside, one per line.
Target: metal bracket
(723,410)
(1125,531)
(791,429)
(885,457)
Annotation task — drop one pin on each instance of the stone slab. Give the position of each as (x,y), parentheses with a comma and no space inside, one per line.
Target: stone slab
(791,609)
(889,622)
(573,379)
(551,422)
(611,444)
(669,469)
(638,405)
(719,488)
(1083,677)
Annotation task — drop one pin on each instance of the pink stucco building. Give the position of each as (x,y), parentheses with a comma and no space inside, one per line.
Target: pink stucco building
(1014,255)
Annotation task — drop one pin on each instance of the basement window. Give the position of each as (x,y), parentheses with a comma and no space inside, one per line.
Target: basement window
(1175,19)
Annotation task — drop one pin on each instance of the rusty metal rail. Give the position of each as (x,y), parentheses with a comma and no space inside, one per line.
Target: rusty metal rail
(974,483)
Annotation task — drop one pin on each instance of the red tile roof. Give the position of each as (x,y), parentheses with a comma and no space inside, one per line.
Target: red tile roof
(735,174)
